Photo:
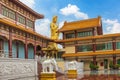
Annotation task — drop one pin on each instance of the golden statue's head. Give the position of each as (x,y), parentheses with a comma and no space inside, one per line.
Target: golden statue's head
(54,20)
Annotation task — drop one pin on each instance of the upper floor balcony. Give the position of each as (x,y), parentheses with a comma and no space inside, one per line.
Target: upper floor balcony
(16,18)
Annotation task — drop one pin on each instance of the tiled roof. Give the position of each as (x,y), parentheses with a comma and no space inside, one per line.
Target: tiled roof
(82,24)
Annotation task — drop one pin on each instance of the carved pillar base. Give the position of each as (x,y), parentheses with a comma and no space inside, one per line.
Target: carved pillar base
(48,76)
(72,74)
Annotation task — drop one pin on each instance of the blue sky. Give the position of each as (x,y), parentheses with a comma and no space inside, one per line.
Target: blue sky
(72,10)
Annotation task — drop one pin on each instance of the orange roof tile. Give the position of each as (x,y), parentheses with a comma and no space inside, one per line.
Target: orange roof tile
(88,23)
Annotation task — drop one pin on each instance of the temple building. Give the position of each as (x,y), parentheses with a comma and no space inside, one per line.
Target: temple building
(18,38)
(84,41)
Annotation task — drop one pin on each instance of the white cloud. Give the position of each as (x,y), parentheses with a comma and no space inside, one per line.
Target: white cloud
(73,10)
(29,3)
(112,26)
(61,24)
(43,27)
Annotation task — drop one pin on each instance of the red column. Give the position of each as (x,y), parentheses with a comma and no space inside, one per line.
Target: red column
(94,60)
(63,39)
(93,32)
(114,45)
(10,43)
(63,35)
(75,33)
(26,48)
(114,59)
(35,49)
(33,26)
(94,46)
(75,41)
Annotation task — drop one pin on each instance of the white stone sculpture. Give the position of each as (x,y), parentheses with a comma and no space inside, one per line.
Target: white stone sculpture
(49,65)
(72,65)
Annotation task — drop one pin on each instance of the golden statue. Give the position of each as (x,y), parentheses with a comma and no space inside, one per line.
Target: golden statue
(52,48)
(54,29)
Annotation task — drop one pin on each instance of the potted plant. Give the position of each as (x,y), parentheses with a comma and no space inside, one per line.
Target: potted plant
(112,66)
(116,66)
(93,67)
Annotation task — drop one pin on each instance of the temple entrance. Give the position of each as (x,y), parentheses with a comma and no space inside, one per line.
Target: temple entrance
(18,50)
(105,63)
(30,51)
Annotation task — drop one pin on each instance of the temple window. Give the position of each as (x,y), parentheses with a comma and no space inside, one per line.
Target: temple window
(117,45)
(8,13)
(104,46)
(84,34)
(21,19)
(84,48)
(29,23)
(70,35)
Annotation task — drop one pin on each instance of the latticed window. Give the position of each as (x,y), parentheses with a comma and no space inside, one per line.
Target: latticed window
(8,13)
(104,46)
(70,35)
(84,48)
(118,45)
(29,23)
(21,19)
(84,34)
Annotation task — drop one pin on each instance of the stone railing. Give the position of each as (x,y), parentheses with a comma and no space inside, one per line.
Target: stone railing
(13,69)
(5,54)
